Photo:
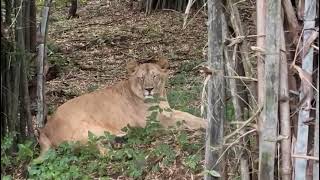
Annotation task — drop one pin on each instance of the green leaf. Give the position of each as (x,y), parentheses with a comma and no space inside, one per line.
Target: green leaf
(168,109)
(92,137)
(8,177)
(162,99)
(212,173)
(25,151)
(109,137)
(153,108)
(192,161)
(149,100)
(183,138)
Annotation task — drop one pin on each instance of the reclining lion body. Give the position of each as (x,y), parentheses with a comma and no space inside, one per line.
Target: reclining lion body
(113,108)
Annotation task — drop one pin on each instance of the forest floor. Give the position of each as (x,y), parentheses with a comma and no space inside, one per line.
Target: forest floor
(91,51)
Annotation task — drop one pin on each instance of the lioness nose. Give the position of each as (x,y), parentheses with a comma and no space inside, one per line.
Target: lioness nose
(149,89)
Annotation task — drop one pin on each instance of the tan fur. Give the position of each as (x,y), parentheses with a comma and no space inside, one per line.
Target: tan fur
(113,108)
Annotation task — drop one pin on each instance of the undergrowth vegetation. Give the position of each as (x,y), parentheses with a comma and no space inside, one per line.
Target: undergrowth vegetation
(144,153)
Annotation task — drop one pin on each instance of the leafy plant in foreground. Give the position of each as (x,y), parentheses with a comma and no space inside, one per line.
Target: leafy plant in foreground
(145,150)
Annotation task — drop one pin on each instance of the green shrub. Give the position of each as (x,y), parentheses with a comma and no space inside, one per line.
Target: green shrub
(14,156)
(142,153)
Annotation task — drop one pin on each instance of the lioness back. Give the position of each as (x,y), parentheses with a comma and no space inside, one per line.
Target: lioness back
(109,109)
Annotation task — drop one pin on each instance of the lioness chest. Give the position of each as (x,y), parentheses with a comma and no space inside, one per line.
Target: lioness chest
(110,110)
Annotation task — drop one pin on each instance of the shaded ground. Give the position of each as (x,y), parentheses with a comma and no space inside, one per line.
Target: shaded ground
(94,48)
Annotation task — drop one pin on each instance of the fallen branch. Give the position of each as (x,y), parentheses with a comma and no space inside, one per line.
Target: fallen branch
(242,78)
(305,157)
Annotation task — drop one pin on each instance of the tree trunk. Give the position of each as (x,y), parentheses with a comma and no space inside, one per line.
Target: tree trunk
(215,111)
(301,147)
(269,125)
(73,9)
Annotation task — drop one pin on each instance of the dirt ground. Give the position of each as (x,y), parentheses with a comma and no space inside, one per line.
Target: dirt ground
(92,50)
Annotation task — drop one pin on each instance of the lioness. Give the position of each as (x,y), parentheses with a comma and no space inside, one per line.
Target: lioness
(113,108)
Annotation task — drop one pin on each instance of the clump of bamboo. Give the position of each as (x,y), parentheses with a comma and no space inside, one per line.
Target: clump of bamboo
(278,70)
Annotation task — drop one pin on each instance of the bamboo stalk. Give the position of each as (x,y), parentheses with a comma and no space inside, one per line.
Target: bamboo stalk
(230,62)
(261,18)
(244,168)
(301,146)
(269,125)
(20,56)
(40,61)
(237,26)
(293,24)
(316,138)
(285,125)
(215,110)
(22,39)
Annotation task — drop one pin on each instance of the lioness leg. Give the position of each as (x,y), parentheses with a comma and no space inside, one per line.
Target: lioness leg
(45,145)
(190,121)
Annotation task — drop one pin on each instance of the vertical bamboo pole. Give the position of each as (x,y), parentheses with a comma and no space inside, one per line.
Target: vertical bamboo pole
(216,111)
(269,124)
(301,147)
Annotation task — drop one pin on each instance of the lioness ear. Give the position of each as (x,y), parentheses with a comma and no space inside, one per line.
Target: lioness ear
(163,63)
(131,66)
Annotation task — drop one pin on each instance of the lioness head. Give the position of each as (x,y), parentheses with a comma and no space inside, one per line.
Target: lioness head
(147,80)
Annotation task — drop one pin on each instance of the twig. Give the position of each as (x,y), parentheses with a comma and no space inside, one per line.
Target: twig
(296,51)
(316,47)
(242,78)
(244,124)
(304,78)
(305,157)
(258,49)
(195,14)
(186,13)
(309,41)
(233,143)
